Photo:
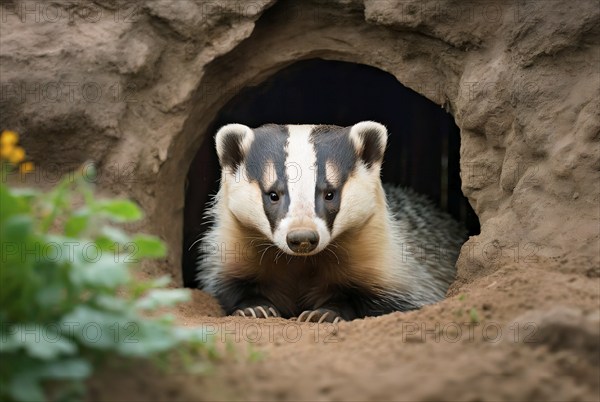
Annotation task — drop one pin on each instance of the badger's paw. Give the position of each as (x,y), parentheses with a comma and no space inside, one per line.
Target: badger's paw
(319,316)
(257,312)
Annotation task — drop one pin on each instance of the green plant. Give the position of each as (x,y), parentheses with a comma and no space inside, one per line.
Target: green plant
(67,294)
(473,315)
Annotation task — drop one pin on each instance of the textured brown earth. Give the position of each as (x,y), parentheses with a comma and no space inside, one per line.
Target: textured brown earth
(517,334)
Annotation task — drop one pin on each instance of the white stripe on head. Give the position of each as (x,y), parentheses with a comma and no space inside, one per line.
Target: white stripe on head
(301,172)
(269,174)
(332,173)
(300,167)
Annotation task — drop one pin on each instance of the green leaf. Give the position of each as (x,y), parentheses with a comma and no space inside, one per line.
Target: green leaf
(80,279)
(106,272)
(138,288)
(66,369)
(115,235)
(151,337)
(8,343)
(25,192)
(88,173)
(16,229)
(77,223)
(473,315)
(11,204)
(149,246)
(161,281)
(97,329)
(105,244)
(111,303)
(119,210)
(111,238)
(25,386)
(65,250)
(58,200)
(50,295)
(157,298)
(42,342)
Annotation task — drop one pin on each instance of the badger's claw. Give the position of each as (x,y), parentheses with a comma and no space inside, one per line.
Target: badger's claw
(319,316)
(257,312)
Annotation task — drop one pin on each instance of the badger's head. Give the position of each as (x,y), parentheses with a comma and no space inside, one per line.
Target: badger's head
(301,186)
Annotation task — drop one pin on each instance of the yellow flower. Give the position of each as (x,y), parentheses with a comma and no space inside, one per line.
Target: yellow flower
(17,155)
(8,138)
(26,167)
(6,150)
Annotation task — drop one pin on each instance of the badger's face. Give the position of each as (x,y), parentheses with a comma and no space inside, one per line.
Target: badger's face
(302,185)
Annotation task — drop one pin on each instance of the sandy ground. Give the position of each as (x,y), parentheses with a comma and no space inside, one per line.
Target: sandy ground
(520,333)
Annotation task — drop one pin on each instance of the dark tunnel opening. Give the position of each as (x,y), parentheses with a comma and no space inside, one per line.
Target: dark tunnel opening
(423,146)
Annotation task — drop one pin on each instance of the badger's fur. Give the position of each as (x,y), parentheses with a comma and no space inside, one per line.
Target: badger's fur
(302,227)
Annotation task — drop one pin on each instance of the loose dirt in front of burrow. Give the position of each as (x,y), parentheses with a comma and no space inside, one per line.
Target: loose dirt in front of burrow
(521,332)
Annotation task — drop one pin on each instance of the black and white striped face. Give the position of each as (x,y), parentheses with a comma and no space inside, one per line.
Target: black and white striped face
(301,185)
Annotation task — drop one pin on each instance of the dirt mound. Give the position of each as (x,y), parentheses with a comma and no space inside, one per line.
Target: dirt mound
(518,334)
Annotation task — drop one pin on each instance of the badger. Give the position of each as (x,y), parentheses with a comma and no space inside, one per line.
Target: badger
(302,227)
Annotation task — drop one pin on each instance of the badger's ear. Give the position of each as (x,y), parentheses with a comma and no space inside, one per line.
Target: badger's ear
(369,139)
(232,142)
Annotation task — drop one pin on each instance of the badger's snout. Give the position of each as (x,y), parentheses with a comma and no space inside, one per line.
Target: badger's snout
(302,240)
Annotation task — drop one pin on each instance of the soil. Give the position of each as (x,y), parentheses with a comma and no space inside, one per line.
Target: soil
(516,334)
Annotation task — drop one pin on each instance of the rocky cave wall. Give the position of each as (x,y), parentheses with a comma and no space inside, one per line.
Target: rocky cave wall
(133,86)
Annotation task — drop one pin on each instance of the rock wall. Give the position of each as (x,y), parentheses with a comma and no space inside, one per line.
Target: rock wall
(133,86)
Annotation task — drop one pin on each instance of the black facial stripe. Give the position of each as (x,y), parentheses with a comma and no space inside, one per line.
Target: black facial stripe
(267,155)
(332,144)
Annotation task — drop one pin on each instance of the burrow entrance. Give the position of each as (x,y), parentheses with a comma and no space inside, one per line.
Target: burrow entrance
(423,148)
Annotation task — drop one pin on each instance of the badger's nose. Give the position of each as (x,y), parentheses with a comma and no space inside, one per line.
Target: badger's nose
(302,240)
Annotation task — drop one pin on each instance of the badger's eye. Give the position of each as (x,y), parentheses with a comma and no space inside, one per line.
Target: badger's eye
(329,195)
(274,196)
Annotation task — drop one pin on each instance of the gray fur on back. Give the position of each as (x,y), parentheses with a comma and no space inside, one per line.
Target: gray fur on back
(433,237)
